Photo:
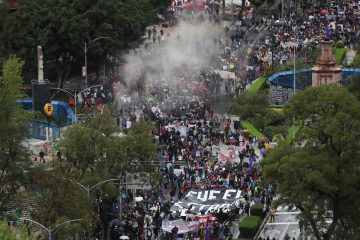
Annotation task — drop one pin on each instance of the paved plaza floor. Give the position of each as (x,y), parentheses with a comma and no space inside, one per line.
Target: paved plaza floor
(286,221)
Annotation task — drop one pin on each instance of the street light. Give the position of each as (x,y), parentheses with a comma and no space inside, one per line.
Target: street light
(86,46)
(294,83)
(89,189)
(75,95)
(50,231)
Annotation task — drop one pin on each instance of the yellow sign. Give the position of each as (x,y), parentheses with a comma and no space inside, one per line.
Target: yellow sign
(48,109)
(267,146)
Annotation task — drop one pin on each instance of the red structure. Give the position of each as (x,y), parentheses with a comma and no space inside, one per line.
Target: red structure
(14,4)
(326,71)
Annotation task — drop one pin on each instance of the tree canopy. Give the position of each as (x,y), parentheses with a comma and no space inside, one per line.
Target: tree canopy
(62,28)
(321,176)
(59,199)
(249,104)
(14,158)
(354,86)
(108,150)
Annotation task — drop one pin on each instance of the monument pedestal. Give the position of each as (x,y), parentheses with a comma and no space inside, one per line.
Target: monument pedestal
(326,71)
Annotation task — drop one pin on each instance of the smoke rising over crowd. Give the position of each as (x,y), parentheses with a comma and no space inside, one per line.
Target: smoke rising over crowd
(178,58)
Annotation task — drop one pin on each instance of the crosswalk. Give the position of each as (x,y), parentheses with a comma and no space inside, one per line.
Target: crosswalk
(263,27)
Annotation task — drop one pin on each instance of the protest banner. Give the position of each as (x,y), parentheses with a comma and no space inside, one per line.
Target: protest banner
(208,201)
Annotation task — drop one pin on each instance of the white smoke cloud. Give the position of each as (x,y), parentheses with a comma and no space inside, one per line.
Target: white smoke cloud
(189,47)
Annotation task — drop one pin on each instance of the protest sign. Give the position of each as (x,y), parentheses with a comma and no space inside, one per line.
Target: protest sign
(208,201)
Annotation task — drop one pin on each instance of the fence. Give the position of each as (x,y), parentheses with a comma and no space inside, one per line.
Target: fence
(43,130)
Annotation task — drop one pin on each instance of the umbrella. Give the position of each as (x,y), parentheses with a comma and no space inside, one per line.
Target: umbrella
(115,222)
(124,237)
(323,11)
(311,17)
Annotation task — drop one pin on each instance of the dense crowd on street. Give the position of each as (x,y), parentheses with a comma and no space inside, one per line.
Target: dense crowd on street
(189,134)
(336,22)
(186,141)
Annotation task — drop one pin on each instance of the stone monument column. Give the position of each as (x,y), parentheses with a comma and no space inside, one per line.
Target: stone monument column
(40,87)
(326,71)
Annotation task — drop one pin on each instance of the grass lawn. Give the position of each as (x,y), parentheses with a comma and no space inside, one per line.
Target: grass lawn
(257,84)
(356,60)
(251,129)
(278,108)
(289,136)
(340,54)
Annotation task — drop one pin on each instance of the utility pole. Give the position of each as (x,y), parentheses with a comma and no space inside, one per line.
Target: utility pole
(86,47)
(294,82)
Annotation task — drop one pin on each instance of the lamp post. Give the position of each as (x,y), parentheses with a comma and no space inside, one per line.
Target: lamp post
(48,230)
(294,83)
(86,46)
(89,189)
(75,95)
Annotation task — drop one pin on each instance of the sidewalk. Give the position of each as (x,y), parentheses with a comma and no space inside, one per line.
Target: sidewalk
(350,54)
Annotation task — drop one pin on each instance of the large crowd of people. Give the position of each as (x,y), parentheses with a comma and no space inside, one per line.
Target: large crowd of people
(190,135)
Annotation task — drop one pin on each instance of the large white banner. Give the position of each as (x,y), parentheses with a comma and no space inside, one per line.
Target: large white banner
(208,201)
(225,74)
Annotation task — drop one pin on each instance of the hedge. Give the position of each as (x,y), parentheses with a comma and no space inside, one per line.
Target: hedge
(249,226)
(257,210)
(339,44)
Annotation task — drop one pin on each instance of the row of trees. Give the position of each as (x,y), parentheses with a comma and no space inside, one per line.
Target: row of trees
(62,28)
(92,151)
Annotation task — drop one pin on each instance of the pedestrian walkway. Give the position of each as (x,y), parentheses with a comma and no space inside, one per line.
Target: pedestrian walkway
(235,225)
(350,54)
(286,221)
(263,27)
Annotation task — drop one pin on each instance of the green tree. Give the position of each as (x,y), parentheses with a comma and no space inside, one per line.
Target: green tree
(83,147)
(11,233)
(59,199)
(322,176)
(6,233)
(354,86)
(14,158)
(160,6)
(140,146)
(251,106)
(63,27)
(96,146)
